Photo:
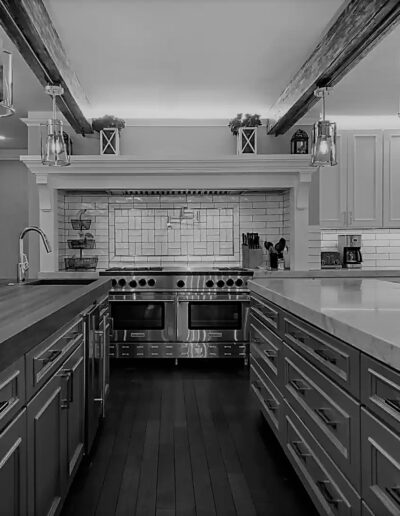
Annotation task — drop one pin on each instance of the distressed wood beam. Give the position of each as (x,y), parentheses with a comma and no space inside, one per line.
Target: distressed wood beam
(355,31)
(28,25)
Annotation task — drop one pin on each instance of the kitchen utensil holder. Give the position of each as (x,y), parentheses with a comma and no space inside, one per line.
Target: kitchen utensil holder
(251,258)
(81,263)
(83,243)
(75,263)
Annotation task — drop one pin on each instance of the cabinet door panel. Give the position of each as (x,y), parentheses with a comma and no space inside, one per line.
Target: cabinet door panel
(13,468)
(365,179)
(391,175)
(46,449)
(333,189)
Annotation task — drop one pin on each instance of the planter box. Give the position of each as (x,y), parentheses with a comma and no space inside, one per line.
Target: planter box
(109,141)
(247,140)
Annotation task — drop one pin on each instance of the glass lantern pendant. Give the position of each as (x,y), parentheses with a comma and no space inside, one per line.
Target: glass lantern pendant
(323,150)
(6,84)
(54,149)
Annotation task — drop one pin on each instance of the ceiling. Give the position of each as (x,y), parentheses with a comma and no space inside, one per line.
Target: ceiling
(197,59)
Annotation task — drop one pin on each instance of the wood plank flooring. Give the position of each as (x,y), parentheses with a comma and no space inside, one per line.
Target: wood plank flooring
(182,441)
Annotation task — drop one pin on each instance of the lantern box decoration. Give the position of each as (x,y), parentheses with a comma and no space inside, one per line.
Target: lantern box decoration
(109,140)
(299,142)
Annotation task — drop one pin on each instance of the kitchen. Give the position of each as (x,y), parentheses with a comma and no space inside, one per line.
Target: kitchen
(249,390)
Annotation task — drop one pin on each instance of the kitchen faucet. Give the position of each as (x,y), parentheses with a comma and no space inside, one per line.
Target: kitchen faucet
(23,264)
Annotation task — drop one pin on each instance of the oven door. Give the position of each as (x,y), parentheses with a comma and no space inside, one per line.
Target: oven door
(213,318)
(149,317)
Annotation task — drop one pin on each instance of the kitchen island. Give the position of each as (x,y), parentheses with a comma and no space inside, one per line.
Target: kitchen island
(325,370)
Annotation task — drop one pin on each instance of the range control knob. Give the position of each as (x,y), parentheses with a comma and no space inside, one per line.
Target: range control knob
(220,283)
(114,283)
(142,282)
(230,282)
(133,283)
(151,282)
(122,282)
(209,283)
(239,282)
(180,283)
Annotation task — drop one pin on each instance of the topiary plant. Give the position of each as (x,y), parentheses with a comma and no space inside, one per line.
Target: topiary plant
(107,121)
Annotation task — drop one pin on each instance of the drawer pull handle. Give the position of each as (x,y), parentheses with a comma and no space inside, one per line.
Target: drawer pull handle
(271,405)
(298,448)
(271,354)
(298,337)
(4,405)
(257,385)
(322,413)
(136,334)
(394,493)
(300,386)
(326,355)
(268,315)
(394,404)
(50,356)
(323,487)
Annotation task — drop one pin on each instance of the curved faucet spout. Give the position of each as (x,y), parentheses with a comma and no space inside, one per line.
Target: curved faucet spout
(23,264)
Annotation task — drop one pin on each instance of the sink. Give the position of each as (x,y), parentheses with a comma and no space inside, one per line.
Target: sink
(59,281)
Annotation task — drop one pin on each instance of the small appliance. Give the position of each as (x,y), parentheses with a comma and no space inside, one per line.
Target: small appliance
(350,251)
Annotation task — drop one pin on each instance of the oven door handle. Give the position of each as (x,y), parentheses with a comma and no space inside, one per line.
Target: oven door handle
(186,300)
(143,300)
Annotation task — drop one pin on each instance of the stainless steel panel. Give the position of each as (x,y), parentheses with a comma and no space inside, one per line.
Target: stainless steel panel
(330,491)
(380,465)
(331,415)
(335,358)
(181,350)
(12,391)
(380,391)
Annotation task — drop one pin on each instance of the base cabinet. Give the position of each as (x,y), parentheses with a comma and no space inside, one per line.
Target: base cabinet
(13,500)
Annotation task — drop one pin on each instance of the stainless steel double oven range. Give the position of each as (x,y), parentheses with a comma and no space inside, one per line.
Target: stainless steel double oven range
(179,313)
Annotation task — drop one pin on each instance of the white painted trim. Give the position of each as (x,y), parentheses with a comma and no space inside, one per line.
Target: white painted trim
(12,154)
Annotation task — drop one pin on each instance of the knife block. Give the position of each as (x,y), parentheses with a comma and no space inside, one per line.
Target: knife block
(251,258)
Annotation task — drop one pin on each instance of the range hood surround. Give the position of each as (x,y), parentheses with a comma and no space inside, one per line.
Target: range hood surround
(233,173)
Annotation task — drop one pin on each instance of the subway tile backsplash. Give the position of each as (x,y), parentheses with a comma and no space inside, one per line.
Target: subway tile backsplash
(170,229)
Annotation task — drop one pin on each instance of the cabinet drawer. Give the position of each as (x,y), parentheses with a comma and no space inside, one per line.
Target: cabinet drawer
(331,415)
(380,391)
(12,391)
(266,311)
(268,397)
(42,361)
(335,358)
(330,491)
(380,466)
(266,344)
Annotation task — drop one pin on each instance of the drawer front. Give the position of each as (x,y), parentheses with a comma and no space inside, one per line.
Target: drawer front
(335,358)
(380,391)
(267,345)
(12,391)
(332,416)
(380,466)
(42,361)
(268,397)
(265,311)
(330,491)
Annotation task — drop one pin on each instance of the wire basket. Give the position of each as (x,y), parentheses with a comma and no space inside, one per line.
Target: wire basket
(82,243)
(89,262)
(81,224)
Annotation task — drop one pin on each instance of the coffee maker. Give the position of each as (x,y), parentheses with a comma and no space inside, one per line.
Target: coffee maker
(349,247)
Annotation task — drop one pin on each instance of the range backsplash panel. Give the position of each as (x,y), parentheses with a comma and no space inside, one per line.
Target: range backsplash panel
(172,229)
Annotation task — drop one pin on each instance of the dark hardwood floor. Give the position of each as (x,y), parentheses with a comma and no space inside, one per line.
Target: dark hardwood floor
(185,440)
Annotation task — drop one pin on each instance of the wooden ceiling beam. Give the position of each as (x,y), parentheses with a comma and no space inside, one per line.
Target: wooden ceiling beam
(28,25)
(354,32)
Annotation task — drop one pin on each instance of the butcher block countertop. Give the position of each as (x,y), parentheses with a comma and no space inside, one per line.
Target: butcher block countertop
(31,313)
(362,312)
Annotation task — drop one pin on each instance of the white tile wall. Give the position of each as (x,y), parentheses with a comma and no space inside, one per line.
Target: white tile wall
(131,229)
(380,247)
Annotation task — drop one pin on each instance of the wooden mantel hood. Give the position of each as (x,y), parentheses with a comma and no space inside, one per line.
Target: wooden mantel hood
(234,172)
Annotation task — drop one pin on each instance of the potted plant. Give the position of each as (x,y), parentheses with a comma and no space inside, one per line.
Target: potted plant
(109,127)
(244,128)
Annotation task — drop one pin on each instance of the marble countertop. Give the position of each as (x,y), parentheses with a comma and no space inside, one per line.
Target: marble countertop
(363,312)
(31,313)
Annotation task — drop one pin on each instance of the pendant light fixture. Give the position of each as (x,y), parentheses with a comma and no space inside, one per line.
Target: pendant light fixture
(323,150)
(6,84)
(54,149)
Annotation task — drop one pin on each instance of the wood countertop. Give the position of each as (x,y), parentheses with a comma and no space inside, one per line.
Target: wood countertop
(31,313)
(365,313)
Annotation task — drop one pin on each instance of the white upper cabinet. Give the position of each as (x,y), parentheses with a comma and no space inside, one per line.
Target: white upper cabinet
(391,182)
(351,192)
(364,179)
